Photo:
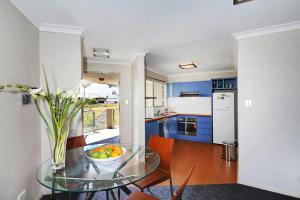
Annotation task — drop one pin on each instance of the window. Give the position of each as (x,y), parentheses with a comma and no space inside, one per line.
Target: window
(155,93)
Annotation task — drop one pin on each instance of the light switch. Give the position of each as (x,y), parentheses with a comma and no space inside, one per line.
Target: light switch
(126,101)
(248,103)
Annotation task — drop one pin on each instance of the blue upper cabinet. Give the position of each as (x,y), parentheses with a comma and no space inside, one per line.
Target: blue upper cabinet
(176,89)
(203,87)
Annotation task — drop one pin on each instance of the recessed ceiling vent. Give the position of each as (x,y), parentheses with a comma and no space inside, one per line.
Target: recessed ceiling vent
(236,2)
(188,66)
(101,53)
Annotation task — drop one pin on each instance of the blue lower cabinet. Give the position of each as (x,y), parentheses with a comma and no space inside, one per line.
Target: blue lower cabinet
(172,127)
(204,125)
(204,128)
(151,128)
(205,135)
(204,119)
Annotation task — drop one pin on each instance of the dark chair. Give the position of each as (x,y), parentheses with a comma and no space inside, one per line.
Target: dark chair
(164,147)
(79,141)
(175,196)
(75,142)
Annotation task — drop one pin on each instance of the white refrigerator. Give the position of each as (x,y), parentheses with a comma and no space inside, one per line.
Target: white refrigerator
(223,117)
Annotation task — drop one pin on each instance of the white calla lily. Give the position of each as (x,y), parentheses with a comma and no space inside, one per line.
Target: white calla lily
(43,93)
(80,92)
(58,111)
(59,91)
(70,94)
(36,91)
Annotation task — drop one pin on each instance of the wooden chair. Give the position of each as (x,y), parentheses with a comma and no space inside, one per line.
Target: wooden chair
(164,147)
(79,141)
(75,142)
(175,196)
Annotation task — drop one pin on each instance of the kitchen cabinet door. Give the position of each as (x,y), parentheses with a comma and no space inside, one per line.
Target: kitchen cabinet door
(203,87)
(176,89)
(172,127)
(204,129)
(151,128)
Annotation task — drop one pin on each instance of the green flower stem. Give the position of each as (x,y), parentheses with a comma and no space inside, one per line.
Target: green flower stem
(62,110)
(41,114)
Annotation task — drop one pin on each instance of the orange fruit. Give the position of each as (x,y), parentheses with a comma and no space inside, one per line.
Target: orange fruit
(98,149)
(114,154)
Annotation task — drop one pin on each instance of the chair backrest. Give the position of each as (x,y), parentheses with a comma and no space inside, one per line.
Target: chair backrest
(164,147)
(178,194)
(75,142)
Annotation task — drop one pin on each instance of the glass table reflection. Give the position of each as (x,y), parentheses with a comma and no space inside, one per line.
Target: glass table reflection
(82,174)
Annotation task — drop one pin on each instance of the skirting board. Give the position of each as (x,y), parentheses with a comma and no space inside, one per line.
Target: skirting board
(269,188)
(43,191)
(39,196)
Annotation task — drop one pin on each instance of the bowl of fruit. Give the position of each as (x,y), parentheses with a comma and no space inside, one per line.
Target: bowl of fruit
(106,153)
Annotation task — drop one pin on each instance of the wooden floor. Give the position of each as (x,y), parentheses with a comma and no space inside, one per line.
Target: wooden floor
(210,169)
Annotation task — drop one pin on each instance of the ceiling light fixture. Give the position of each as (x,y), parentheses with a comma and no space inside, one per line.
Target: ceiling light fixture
(102,53)
(188,66)
(235,2)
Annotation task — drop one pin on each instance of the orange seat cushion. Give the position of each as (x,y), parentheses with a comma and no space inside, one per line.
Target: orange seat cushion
(155,178)
(140,196)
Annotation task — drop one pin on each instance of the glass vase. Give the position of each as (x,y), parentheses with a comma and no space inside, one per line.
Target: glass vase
(58,142)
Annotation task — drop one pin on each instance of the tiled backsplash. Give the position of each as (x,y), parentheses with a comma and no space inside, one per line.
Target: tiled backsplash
(151,111)
(192,105)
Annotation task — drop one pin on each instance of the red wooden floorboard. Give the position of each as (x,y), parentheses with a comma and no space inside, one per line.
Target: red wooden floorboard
(210,167)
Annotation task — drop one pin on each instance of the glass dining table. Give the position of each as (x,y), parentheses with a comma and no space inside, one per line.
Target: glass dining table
(84,175)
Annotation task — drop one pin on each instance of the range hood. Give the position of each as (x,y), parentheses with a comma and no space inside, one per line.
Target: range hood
(189,94)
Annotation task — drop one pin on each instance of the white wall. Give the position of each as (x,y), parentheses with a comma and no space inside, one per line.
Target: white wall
(269,131)
(20,125)
(125,89)
(61,56)
(138,77)
(201,76)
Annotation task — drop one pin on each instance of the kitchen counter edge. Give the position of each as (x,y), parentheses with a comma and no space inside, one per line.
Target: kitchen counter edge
(173,115)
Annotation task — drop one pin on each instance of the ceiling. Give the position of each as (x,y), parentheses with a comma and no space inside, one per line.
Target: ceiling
(173,31)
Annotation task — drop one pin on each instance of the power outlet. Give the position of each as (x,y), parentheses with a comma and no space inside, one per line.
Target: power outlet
(26,99)
(22,195)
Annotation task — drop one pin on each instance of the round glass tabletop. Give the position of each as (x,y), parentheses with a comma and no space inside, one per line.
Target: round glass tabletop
(82,174)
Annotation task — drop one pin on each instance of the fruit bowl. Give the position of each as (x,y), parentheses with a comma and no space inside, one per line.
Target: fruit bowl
(106,153)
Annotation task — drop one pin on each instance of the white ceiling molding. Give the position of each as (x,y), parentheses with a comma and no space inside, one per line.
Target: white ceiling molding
(155,70)
(142,53)
(108,61)
(139,53)
(267,30)
(56,28)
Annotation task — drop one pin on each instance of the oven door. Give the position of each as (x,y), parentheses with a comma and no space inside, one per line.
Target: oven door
(187,126)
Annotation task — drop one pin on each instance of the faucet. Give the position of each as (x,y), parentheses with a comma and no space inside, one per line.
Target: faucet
(158,113)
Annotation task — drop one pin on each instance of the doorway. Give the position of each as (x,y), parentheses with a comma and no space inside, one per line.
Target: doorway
(101,116)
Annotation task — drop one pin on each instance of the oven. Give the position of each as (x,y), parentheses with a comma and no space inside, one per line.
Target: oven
(187,126)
